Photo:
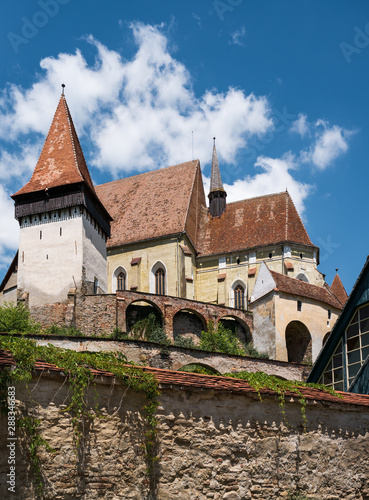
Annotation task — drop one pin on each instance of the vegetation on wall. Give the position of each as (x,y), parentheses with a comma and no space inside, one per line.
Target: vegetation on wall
(76,366)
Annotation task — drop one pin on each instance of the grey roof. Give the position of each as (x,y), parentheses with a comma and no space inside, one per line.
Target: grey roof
(216,183)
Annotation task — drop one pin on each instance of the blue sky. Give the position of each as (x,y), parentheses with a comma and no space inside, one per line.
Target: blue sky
(282,85)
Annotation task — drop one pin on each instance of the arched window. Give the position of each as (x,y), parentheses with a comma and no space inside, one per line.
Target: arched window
(159,281)
(239,297)
(121,281)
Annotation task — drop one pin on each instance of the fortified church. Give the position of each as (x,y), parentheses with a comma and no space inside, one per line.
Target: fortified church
(151,238)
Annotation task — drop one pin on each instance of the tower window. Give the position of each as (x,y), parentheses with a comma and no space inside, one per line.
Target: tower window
(238,261)
(121,281)
(299,305)
(239,297)
(300,255)
(329,314)
(159,281)
(40,235)
(61,231)
(96,285)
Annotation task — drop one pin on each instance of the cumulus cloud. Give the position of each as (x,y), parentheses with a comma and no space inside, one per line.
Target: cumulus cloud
(139,113)
(237,37)
(9,229)
(275,176)
(330,142)
(300,126)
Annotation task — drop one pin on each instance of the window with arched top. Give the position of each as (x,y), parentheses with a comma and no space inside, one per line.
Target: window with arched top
(121,281)
(159,281)
(239,297)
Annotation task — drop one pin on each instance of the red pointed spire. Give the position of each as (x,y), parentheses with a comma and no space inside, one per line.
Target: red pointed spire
(339,290)
(61,161)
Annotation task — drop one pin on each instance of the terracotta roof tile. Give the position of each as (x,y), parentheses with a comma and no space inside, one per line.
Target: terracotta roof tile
(61,161)
(151,205)
(252,271)
(251,223)
(303,289)
(288,264)
(339,290)
(193,380)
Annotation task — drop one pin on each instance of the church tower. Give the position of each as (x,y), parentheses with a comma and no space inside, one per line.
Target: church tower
(63,224)
(217,195)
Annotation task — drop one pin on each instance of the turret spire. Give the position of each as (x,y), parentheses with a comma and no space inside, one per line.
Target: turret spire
(217,194)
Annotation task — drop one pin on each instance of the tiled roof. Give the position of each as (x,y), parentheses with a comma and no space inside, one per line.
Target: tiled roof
(339,290)
(250,223)
(61,161)
(154,204)
(224,384)
(303,289)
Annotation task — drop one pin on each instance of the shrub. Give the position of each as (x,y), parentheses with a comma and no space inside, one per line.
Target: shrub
(69,331)
(118,334)
(184,342)
(197,368)
(251,351)
(221,339)
(16,318)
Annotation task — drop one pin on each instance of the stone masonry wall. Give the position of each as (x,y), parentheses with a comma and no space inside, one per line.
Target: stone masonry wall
(211,445)
(174,358)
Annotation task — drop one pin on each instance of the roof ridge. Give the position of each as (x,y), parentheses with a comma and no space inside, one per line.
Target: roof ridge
(155,170)
(190,198)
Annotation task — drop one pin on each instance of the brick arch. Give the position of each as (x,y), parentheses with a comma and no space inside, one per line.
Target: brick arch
(189,323)
(243,332)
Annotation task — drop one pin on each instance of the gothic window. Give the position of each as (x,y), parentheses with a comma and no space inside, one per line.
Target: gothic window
(121,281)
(159,281)
(239,297)
(96,286)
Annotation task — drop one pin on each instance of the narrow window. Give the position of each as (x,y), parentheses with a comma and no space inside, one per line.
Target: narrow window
(121,281)
(96,285)
(329,314)
(300,255)
(238,261)
(159,281)
(22,256)
(239,297)
(61,231)
(270,255)
(40,235)
(299,305)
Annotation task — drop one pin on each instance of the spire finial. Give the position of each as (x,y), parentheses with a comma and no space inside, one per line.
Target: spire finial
(214,142)
(336,270)
(63,87)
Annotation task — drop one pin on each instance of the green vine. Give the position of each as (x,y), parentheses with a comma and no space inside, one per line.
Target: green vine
(260,380)
(76,366)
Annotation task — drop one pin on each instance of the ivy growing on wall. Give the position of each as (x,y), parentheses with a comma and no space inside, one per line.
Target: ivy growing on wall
(76,367)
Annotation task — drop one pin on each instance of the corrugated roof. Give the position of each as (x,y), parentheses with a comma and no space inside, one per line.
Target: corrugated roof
(303,289)
(153,204)
(224,384)
(61,161)
(254,222)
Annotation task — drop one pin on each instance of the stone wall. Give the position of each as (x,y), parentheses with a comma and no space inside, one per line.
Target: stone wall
(211,445)
(174,358)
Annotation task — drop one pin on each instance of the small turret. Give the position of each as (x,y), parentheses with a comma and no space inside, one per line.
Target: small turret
(217,195)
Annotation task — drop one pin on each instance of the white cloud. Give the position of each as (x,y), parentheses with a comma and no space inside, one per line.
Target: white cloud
(330,143)
(9,228)
(138,114)
(20,163)
(275,177)
(237,37)
(300,126)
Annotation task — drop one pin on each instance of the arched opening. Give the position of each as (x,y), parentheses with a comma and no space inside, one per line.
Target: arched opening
(237,296)
(188,324)
(158,279)
(298,343)
(202,368)
(302,277)
(141,318)
(325,338)
(119,280)
(237,326)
